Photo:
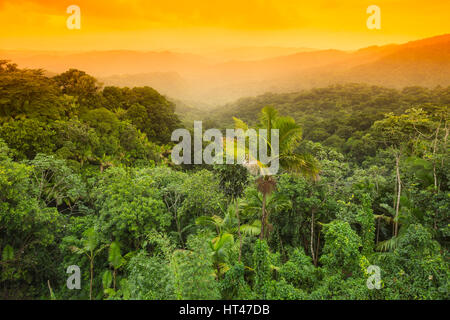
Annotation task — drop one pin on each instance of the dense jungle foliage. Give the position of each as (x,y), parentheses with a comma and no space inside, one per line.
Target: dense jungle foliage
(86,179)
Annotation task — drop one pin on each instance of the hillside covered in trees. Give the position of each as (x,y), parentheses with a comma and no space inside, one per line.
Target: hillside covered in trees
(86,179)
(214,80)
(338,116)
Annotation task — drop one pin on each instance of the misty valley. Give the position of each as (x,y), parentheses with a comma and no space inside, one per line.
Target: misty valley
(246,170)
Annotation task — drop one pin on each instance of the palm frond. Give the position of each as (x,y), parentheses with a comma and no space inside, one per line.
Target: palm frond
(221,240)
(290,134)
(268,114)
(388,245)
(385,218)
(304,164)
(206,220)
(240,124)
(388,208)
(253,229)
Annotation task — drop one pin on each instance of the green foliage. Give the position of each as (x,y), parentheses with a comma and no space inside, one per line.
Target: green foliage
(203,196)
(193,276)
(415,269)
(261,265)
(114,257)
(232,179)
(340,254)
(82,170)
(233,285)
(8,253)
(107,279)
(299,270)
(150,277)
(281,290)
(57,184)
(129,207)
(29,94)
(78,84)
(28,137)
(28,232)
(146,109)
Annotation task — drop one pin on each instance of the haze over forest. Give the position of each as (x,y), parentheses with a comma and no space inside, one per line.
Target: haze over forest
(222,76)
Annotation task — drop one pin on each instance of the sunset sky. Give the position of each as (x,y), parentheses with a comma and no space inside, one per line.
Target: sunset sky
(197,25)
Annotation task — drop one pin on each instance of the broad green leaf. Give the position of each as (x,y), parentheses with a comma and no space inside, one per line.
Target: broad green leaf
(107,279)
(114,257)
(8,253)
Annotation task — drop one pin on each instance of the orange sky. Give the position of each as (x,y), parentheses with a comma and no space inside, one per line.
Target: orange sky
(193,25)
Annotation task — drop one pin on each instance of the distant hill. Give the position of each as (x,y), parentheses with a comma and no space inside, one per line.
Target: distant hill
(426,65)
(251,53)
(359,105)
(185,76)
(167,83)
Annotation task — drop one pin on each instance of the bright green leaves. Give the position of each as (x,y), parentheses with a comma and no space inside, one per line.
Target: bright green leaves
(341,250)
(194,277)
(107,279)
(130,206)
(261,265)
(8,253)
(90,239)
(252,229)
(114,257)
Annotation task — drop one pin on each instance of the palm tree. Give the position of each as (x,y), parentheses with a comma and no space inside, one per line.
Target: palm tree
(105,162)
(226,228)
(408,214)
(251,206)
(91,249)
(289,135)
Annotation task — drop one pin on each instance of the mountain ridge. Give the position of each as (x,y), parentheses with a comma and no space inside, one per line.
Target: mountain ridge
(194,77)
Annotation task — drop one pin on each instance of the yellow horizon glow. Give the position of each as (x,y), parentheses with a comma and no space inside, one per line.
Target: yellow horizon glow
(207,25)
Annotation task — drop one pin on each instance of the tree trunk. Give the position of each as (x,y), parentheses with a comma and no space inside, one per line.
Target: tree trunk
(114,279)
(92,277)
(317,248)
(445,148)
(434,156)
(239,229)
(177,221)
(378,230)
(399,191)
(312,237)
(394,205)
(263,217)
